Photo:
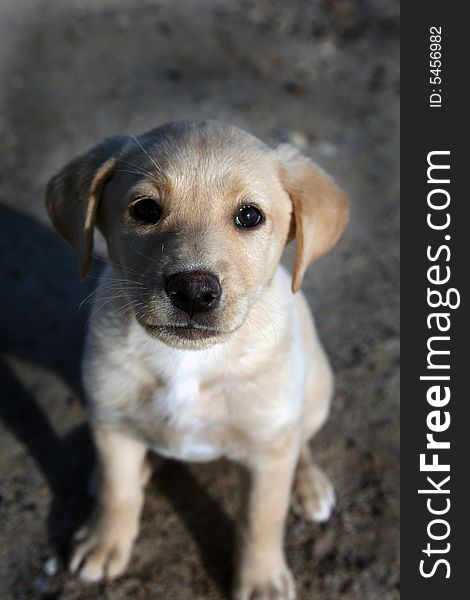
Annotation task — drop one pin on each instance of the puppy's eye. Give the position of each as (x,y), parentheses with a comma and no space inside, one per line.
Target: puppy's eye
(146,210)
(248,216)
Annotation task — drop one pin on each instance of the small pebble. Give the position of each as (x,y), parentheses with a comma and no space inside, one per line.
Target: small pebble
(50,567)
(289,136)
(299,139)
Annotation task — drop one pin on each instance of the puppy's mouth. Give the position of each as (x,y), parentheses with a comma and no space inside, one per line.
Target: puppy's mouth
(184,332)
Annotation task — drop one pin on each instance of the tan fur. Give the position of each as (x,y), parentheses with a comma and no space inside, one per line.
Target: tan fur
(258,387)
(320,208)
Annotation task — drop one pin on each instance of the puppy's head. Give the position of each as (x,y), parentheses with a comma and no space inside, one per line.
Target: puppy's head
(196,216)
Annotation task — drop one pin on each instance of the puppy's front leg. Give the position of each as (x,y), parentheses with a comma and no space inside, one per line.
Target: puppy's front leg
(262,570)
(103,546)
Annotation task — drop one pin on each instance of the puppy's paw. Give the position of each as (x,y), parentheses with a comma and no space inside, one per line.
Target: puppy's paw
(102,549)
(313,495)
(257,586)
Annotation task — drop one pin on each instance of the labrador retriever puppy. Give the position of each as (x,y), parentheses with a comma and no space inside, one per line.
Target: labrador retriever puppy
(200,345)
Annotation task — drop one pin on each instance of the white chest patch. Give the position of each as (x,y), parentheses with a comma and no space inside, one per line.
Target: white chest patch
(192,416)
(179,403)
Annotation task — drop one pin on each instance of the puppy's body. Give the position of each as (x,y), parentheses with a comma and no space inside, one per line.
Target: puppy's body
(197,348)
(226,400)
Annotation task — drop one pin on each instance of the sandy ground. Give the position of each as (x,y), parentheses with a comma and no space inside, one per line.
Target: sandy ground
(320,74)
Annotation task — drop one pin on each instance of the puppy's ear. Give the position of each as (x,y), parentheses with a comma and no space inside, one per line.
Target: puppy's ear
(320,209)
(72,196)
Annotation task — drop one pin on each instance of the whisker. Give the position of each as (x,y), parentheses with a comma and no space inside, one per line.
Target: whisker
(257,326)
(136,166)
(144,255)
(110,262)
(122,309)
(116,285)
(107,300)
(143,149)
(134,171)
(267,311)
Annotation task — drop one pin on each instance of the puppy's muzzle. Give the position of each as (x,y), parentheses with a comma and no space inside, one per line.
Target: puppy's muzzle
(193,292)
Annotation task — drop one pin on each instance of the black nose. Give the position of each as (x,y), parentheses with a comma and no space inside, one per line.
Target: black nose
(193,292)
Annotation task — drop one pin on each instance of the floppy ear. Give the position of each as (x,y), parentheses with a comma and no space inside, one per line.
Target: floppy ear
(320,209)
(72,196)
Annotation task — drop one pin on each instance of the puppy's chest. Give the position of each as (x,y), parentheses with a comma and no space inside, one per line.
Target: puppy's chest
(191,416)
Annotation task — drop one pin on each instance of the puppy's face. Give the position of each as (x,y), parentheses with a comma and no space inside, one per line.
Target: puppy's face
(196,224)
(196,215)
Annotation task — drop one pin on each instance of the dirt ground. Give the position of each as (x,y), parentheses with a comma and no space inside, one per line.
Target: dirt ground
(322,74)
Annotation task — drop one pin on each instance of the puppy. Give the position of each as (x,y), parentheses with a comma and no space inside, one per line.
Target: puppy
(199,346)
